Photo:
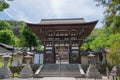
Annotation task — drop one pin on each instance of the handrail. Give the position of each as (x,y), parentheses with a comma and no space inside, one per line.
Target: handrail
(81,69)
(39,69)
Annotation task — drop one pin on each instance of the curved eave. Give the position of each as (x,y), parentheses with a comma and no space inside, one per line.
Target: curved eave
(6,46)
(64,24)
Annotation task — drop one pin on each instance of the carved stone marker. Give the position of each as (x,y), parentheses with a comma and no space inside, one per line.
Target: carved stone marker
(114,72)
(92,71)
(26,71)
(5,72)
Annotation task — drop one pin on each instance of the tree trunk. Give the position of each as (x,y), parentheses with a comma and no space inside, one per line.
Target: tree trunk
(30,48)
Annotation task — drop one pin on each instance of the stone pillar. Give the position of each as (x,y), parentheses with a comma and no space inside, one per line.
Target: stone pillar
(114,72)
(92,71)
(26,71)
(5,72)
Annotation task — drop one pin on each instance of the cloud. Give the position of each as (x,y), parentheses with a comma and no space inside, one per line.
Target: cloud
(34,10)
(16,14)
(31,12)
(78,8)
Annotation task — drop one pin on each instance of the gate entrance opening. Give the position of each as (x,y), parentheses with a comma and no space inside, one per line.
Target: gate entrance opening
(62,55)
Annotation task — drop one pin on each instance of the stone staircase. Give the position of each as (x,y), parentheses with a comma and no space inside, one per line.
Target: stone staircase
(59,70)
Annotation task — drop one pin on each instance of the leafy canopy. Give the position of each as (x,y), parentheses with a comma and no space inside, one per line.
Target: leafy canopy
(28,36)
(7,37)
(6,34)
(4,25)
(112,13)
(4,4)
(114,54)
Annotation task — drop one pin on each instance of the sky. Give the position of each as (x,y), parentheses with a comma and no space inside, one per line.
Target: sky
(35,10)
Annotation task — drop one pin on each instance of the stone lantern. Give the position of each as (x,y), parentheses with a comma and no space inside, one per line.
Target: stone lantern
(27,71)
(114,72)
(5,72)
(28,59)
(92,71)
(92,58)
(19,58)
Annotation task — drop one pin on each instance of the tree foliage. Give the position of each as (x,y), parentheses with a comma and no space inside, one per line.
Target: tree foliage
(6,34)
(105,37)
(12,33)
(114,54)
(7,37)
(4,4)
(116,23)
(112,13)
(112,20)
(28,36)
(4,25)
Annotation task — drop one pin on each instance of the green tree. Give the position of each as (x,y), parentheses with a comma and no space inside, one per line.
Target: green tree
(95,33)
(4,4)
(116,23)
(112,13)
(105,36)
(114,54)
(98,38)
(4,25)
(113,38)
(29,37)
(7,37)
(6,34)
(84,46)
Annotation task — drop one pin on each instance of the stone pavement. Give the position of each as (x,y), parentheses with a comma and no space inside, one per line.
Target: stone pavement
(55,78)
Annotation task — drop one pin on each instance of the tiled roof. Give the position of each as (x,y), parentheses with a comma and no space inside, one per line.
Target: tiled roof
(6,46)
(62,21)
(6,49)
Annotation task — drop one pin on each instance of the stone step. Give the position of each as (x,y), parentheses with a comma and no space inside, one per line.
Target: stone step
(60,70)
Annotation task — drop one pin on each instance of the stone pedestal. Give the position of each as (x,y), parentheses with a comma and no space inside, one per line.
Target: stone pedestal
(26,71)
(5,72)
(92,72)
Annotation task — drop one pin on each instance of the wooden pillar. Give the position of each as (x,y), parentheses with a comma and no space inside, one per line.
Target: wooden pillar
(53,46)
(44,54)
(54,54)
(79,55)
(69,52)
(69,47)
